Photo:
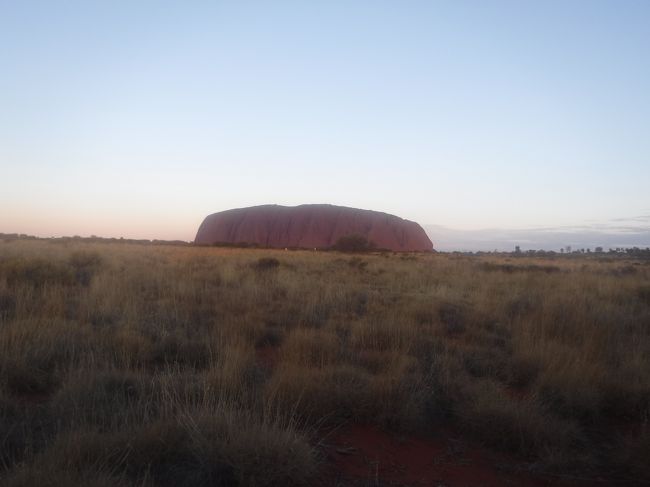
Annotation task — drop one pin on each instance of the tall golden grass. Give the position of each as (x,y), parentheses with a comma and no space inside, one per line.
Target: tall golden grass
(133,365)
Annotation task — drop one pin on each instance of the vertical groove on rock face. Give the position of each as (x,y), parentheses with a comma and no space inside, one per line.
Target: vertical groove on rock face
(310,226)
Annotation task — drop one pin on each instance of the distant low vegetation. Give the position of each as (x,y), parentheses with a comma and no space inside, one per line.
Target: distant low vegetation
(11,237)
(124,364)
(354,243)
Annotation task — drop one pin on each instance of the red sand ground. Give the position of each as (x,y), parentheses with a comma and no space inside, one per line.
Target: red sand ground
(267,356)
(367,455)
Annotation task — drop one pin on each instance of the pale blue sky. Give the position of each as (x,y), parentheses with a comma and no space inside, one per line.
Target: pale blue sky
(138,118)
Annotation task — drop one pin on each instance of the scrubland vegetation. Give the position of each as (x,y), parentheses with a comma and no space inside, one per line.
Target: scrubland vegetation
(158,366)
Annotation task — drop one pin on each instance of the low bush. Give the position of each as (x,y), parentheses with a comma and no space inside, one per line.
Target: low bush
(7,305)
(265,264)
(36,272)
(354,243)
(85,264)
(516,425)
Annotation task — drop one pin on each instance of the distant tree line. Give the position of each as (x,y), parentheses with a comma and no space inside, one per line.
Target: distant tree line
(636,252)
(9,237)
(568,251)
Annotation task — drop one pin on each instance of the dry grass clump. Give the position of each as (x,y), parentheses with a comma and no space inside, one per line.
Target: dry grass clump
(311,347)
(196,448)
(133,365)
(524,426)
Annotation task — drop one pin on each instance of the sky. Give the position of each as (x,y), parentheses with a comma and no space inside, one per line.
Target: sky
(139,118)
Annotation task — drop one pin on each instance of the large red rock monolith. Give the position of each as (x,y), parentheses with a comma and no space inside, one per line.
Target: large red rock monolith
(310,226)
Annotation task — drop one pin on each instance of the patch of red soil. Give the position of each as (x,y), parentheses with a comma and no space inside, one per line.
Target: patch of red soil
(367,455)
(32,398)
(267,356)
(516,393)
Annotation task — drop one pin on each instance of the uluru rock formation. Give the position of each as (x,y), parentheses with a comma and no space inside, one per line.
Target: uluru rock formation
(310,226)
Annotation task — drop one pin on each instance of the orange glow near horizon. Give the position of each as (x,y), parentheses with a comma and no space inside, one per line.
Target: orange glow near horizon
(58,224)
